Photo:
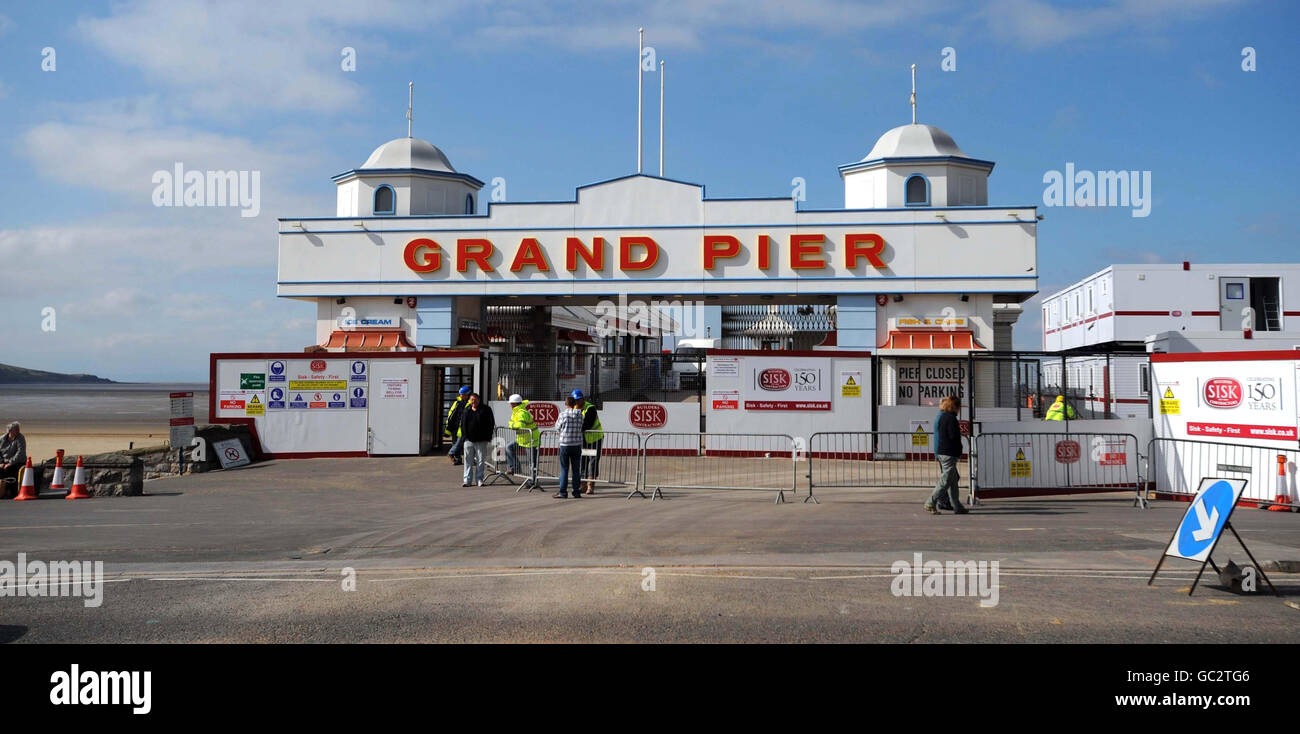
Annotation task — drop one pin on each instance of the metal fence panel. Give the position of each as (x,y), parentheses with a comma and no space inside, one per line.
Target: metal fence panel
(720,461)
(1068,462)
(873,459)
(1176,466)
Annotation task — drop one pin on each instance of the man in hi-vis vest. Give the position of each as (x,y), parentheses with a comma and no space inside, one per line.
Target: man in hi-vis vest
(1059,410)
(592,436)
(451,427)
(527,435)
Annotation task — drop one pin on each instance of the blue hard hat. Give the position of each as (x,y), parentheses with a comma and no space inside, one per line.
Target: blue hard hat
(577,395)
(464,390)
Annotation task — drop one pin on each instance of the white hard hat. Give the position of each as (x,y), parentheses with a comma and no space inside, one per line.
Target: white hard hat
(514,399)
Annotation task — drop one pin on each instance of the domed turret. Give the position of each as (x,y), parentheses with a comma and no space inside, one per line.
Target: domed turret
(407,154)
(406,177)
(914,141)
(915,166)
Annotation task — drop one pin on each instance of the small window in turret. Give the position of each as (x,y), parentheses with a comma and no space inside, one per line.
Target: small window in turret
(917,191)
(385,200)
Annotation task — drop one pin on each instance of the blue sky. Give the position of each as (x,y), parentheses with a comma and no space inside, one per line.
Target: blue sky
(543,95)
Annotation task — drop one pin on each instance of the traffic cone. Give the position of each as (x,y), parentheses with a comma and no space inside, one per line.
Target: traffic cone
(28,489)
(1282,499)
(78,484)
(56,484)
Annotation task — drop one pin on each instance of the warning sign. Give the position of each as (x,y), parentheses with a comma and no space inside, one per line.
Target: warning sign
(726,400)
(255,406)
(1168,403)
(234,399)
(230,453)
(1021,462)
(920,437)
(318,385)
(850,384)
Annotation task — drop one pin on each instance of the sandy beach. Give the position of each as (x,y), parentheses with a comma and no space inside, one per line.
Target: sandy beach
(92,419)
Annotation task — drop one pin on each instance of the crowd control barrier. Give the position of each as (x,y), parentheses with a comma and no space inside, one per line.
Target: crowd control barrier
(1175,467)
(1026,464)
(615,460)
(524,466)
(873,459)
(719,461)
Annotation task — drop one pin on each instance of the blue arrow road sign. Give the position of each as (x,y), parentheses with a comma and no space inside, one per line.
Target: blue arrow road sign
(1204,519)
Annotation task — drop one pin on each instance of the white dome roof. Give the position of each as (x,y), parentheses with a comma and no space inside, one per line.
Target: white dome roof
(409,153)
(914,141)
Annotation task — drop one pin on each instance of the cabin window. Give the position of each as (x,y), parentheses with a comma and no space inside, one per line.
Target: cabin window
(469,203)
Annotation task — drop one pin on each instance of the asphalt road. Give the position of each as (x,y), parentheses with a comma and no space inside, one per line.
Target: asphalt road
(261,555)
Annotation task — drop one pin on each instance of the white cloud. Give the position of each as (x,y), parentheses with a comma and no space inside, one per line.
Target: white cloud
(1039,24)
(238,58)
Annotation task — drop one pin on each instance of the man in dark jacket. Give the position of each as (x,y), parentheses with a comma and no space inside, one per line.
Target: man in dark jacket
(947,449)
(476,427)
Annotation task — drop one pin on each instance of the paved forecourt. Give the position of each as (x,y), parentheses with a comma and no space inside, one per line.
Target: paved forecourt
(256,554)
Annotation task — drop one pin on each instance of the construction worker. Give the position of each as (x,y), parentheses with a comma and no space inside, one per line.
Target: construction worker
(453,424)
(592,436)
(1059,410)
(527,435)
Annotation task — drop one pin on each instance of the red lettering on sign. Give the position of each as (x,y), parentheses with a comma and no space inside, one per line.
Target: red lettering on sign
(719,246)
(594,257)
(764,252)
(318,365)
(530,253)
(473,250)
(870,246)
(805,250)
(625,261)
(422,255)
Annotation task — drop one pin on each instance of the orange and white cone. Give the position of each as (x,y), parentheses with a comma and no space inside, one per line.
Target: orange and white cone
(1281,500)
(56,484)
(28,489)
(78,484)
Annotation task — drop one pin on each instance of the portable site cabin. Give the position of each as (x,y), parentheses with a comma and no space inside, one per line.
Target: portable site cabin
(1120,306)
(1100,385)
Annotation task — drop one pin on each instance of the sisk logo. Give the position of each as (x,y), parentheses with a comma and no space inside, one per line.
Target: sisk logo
(648,415)
(774,379)
(1222,392)
(75,687)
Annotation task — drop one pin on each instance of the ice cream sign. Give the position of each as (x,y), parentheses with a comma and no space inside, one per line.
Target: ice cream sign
(932,322)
